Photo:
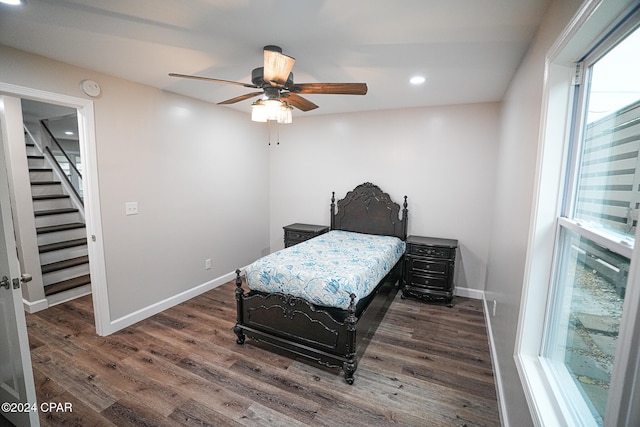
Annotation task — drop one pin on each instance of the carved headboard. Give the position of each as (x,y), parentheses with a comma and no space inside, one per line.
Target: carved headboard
(366,209)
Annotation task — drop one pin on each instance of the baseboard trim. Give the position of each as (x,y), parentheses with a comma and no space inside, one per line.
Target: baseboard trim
(35,306)
(137,316)
(502,407)
(469,293)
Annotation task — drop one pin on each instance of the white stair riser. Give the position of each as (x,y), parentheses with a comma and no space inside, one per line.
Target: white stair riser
(46,190)
(62,254)
(33,151)
(67,273)
(35,162)
(68,295)
(35,176)
(42,221)
(61,236)
(47,204)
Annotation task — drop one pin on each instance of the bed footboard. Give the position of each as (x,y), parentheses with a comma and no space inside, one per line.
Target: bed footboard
(297,326)
(301,328)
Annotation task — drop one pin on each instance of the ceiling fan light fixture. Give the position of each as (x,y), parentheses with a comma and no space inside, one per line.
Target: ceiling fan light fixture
(285,116)
(264,110)
(273,108)
(259,112)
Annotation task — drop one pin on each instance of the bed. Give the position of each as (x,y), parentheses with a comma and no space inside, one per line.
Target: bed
(332,332)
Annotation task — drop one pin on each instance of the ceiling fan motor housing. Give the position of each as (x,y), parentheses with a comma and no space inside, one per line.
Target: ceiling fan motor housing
(257,78)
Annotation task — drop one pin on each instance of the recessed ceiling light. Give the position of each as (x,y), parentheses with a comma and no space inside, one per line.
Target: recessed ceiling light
(68,132)
(12,2)
(417,80)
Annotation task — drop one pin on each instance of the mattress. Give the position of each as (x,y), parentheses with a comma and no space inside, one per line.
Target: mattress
(325,270)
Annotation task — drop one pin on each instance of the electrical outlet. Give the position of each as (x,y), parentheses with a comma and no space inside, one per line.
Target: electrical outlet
(207,264)
(131,208)
(495,305)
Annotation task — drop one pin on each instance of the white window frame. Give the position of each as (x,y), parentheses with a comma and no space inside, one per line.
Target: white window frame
(544,388)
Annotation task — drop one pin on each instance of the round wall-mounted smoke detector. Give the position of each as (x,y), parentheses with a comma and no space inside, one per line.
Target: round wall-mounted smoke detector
(90,87)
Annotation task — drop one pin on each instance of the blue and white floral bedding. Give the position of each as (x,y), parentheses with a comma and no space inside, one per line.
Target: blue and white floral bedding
(325,270)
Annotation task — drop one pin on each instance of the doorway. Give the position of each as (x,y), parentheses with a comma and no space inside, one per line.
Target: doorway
(90,189)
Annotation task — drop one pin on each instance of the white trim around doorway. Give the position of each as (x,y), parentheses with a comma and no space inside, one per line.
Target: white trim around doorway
(88,152)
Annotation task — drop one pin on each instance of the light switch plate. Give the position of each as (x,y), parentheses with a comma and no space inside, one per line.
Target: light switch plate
(131,208)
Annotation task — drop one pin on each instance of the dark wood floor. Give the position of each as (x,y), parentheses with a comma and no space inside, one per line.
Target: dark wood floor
(427,365)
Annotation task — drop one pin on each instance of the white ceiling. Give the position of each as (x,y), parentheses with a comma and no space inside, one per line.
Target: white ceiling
(467,49)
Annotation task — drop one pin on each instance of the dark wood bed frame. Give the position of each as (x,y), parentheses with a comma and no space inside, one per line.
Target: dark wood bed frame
(332,337)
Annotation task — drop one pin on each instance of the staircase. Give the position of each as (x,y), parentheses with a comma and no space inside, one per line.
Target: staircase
(60,229)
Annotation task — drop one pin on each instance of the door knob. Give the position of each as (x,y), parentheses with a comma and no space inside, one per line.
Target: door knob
(4,283)
(24,278)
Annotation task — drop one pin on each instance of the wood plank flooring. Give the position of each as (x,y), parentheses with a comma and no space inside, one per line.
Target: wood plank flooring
(427,365)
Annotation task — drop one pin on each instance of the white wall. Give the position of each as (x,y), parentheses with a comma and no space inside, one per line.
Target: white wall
(516,167)
(199,173)
(442,158)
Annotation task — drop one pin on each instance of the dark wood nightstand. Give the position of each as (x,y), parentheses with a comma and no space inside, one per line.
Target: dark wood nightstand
(296,233)
(428,268)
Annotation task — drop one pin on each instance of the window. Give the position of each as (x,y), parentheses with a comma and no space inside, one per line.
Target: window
(596,228)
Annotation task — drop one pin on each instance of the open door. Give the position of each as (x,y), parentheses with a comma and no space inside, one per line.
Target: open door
(17,390)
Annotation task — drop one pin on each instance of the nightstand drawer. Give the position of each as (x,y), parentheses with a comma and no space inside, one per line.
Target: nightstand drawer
(298,235)
(428,282)
(432,266)
(430,251)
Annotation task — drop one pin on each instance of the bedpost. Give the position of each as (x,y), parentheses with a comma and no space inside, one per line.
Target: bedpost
(405,223)
(351,364)
(333,209)
(239,294)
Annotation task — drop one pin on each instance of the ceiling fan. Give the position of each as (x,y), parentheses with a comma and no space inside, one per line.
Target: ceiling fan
(275,81)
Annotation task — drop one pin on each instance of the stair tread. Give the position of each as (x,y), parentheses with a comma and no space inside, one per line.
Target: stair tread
(45,182)
(55,211)
(65,285)
(50,196)
(67,263)
(61,227)
(62,245)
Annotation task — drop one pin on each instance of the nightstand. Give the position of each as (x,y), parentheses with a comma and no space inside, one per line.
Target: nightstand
(429,266)
(296,233)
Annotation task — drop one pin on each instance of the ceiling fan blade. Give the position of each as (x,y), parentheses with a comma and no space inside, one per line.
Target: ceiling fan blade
(299,102)
(209,79)
(240,98)
(330,88)
(277,67)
